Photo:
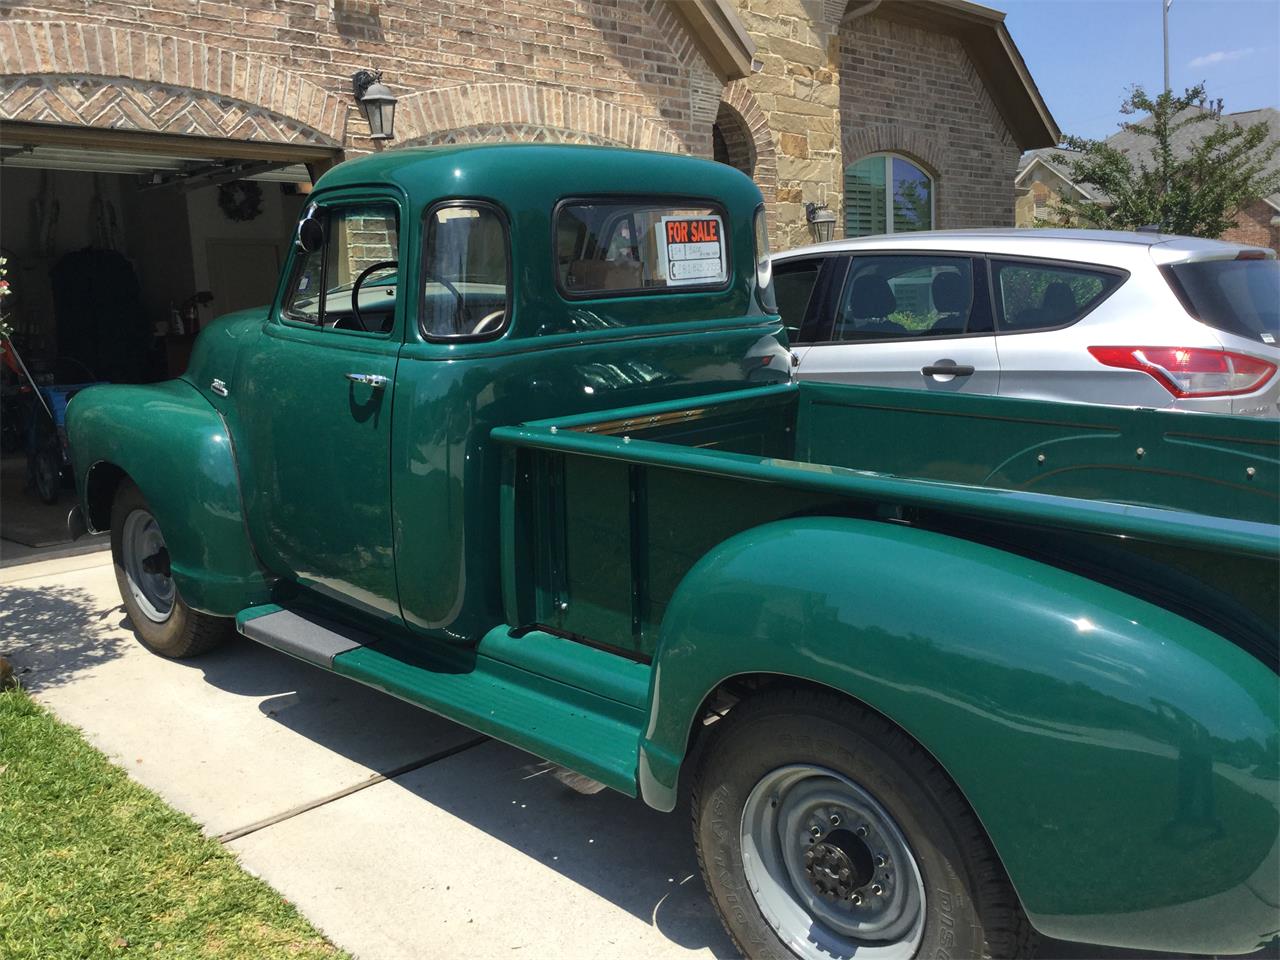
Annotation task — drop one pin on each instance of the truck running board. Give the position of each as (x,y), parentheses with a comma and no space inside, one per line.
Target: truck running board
(306,637)
(528,690)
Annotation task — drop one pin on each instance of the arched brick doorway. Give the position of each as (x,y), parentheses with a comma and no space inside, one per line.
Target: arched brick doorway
(741,137)
(731,140)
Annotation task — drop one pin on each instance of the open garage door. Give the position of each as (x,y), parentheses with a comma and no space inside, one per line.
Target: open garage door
(120,247)
(49,146)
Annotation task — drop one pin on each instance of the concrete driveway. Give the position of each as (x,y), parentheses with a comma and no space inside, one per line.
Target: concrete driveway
(397,833)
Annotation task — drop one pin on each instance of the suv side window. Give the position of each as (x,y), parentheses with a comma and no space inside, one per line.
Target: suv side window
(361,244)
(899,296)
(1040,296)
(793,283)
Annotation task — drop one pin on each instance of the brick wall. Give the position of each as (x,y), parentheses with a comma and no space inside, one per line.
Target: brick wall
(1024,207)
(915,92)
(608,70)
(1253,226)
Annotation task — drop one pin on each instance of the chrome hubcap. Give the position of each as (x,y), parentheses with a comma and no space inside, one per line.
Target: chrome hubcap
(829,868)
(146,566)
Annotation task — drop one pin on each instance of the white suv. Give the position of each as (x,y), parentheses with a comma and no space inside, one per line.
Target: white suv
(1083,316)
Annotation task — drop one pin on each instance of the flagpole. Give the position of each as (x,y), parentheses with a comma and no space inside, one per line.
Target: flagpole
(1166,4)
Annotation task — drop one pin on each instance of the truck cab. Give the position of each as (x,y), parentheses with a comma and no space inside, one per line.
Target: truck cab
(446,292)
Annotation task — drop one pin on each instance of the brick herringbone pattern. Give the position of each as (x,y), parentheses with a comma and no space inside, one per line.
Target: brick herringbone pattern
(433,115)
(110,76)
(138,105)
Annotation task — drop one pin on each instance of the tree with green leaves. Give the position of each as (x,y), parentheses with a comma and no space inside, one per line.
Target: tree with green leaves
(1197,175)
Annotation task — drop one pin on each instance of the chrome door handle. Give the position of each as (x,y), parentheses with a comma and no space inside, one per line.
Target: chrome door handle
(375,380)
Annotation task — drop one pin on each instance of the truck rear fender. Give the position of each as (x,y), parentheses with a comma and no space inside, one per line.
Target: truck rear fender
(174,445)
(1084,726)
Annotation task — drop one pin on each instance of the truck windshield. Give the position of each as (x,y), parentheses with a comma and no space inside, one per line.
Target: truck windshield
(1238,296)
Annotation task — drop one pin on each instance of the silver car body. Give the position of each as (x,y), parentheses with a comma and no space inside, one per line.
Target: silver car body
(1052,364)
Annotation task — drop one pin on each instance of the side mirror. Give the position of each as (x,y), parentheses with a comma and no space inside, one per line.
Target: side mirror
(310,235)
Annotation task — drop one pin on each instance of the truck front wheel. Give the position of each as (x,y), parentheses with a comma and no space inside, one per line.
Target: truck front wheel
(825,831)
(162,620)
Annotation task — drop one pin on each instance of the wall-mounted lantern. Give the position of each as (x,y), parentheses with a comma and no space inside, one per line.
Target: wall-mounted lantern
(377,102)
(822,221)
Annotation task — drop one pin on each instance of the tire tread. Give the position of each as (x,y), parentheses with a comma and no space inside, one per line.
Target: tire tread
(1006,930)
(187,633)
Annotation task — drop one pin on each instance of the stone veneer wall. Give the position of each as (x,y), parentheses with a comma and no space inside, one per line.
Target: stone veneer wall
(797,90)
(833,94)
(620,71)
(915,92)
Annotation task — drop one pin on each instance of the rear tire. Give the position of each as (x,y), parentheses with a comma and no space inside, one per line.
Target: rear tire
(160,617)
(855,840)
(48,474)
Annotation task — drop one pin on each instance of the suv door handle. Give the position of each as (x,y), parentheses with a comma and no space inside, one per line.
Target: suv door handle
(947,368)
(375,380)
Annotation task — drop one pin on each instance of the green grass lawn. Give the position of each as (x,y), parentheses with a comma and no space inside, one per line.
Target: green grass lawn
(93,865)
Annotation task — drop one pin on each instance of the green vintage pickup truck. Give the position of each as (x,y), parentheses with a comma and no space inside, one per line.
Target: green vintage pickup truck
(518,442)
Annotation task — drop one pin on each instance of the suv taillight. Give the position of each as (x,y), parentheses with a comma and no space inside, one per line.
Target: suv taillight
(1191,371)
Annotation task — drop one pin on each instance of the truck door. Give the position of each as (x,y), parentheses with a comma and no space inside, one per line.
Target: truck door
(314,403)
(909,320)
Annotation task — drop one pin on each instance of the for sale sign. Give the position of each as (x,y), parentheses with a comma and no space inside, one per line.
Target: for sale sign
(692,250)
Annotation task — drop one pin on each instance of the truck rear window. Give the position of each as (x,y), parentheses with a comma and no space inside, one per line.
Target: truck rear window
(1237,296)
(608,248)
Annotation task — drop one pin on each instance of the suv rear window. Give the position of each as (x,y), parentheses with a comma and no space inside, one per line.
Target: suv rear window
(1238,296)
(610,247)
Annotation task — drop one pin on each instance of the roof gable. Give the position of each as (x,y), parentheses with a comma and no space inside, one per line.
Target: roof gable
(995,57)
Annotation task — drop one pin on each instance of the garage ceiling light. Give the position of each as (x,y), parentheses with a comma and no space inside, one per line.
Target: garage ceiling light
(378,103)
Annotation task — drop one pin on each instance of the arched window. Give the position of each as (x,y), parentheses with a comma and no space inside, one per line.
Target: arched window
(885,193)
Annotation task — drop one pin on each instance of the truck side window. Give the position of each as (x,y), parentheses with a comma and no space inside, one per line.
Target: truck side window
(900,297)
(1041,296)
(466,272)
(361,246)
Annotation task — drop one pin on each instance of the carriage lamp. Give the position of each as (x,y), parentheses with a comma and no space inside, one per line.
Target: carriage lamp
(822,221)
(377,102)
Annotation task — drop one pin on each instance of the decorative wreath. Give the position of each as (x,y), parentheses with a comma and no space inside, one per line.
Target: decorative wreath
(240,199)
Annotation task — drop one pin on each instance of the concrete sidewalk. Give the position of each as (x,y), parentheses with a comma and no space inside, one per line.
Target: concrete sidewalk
(397,833)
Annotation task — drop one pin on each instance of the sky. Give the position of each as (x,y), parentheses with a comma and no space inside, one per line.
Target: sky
(1085,54)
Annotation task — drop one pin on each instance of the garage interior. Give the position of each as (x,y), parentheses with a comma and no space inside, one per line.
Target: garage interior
(120,246)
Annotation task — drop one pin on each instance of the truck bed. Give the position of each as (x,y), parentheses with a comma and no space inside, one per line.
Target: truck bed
(604,514)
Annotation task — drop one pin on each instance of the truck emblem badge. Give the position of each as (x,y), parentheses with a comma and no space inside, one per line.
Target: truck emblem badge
(218,387)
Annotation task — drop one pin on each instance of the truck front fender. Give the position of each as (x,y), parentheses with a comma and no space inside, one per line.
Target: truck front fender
(170,442)
(1122,759)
